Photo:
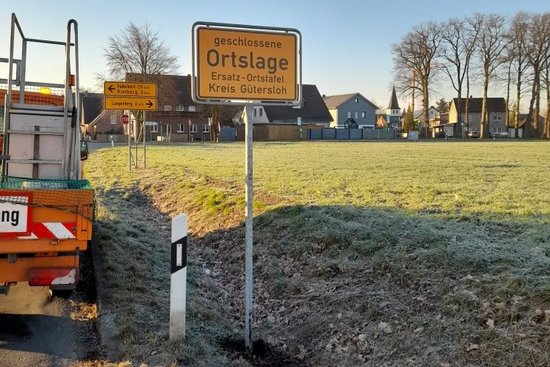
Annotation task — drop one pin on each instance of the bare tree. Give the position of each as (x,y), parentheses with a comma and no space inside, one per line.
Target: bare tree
(516,52)
(416,55)
(538,50)
(491,46)
(137,54)
(138,50)
(459,39)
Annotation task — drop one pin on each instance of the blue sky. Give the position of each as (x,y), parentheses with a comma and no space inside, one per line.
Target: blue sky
(346,44)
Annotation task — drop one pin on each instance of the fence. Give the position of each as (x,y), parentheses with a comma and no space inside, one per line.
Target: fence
(273,132)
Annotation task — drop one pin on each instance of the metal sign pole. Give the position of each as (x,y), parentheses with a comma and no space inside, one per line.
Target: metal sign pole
(129,129)
(249,278)
(136,141)
(144,145)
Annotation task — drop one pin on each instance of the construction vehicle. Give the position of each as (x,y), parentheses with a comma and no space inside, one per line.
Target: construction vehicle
(46,208)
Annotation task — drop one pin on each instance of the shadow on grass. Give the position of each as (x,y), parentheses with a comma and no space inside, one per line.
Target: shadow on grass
(334,285)
(341,285)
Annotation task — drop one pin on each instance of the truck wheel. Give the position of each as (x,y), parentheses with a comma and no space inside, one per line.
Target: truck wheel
(61,293)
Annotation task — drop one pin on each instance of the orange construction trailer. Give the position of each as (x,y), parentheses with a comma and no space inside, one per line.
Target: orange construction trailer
(46,208)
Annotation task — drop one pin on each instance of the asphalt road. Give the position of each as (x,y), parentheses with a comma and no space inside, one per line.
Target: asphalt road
(35,330)
(43,331)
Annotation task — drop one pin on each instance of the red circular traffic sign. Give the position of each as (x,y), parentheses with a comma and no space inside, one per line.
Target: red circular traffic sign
(124,119)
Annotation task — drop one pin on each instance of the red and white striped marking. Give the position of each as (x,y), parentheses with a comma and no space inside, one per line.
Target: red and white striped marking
(51,230)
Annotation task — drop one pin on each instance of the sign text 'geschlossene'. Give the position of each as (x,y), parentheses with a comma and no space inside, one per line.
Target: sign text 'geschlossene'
(247,65)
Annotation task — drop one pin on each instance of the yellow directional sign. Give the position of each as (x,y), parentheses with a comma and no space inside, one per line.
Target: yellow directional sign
(129,89)
(130,103)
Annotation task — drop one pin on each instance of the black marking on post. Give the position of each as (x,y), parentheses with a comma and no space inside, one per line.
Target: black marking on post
(174,266)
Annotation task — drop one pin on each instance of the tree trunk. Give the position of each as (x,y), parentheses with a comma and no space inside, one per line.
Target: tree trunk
(425,107)
(509,82)
(413,94)
(483,133)
(534,104)
(537,109)
(518,99)
(547,121)
(459,112)
(466,107)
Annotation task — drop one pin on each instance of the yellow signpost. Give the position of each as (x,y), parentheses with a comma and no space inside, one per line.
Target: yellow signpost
(129,89)
(130,96)
(130,103)
(246,64)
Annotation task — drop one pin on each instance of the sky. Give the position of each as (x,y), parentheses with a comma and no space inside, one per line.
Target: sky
(346,44)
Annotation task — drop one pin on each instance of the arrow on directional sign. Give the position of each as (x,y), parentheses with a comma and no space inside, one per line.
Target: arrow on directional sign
(129,89)
(130,103)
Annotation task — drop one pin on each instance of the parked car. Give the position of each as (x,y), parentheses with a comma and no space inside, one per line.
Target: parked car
(473,134)
(501,134)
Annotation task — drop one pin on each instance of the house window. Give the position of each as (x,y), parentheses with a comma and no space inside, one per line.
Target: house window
(356,115)
(349,115)
(113,119)
(192,108)
(356,100)
(180,108)
(363,115)
(193,128)
(167,108)
(181,128)
(258,112)
(205,128)
(155,128)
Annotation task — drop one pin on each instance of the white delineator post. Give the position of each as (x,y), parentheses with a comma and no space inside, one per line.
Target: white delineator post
(178,279)
(249,252)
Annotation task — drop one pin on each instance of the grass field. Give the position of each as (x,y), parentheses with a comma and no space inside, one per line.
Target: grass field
(396,253)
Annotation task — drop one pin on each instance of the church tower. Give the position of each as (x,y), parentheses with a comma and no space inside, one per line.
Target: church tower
(393,112)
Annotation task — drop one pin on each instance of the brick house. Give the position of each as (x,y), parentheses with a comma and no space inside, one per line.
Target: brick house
(97,122)
(177,118)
